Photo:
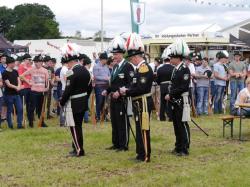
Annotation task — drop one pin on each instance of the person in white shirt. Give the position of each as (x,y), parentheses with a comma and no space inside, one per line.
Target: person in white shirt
(191,68)
(63,76)
(243,98)
(63,81)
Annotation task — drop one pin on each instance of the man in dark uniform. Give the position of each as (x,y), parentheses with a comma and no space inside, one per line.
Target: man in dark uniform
(121,76)
(85,61)
(178,96)
(163,78)
(75,97)
(140,91)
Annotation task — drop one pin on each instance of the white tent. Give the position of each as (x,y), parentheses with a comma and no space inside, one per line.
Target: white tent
(192,28)
(190,31)
(52,46)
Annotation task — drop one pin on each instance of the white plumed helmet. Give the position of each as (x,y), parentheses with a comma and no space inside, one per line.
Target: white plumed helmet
(134,45)
(222,54)
(166,53)
(118,45)
(179,48)
(70,51)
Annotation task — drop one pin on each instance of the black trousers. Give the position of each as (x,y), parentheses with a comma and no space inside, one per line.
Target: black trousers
(26,97)
(36,104)
(120,124)
(181,129)
(165,108)
(48,102)
(77,133)
(143,144)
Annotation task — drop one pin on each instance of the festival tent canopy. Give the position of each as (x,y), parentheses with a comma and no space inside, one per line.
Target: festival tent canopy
(198,29)
(7,46)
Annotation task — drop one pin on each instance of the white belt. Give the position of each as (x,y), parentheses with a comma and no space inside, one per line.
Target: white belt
(166,82)
(78,95)
(154,84)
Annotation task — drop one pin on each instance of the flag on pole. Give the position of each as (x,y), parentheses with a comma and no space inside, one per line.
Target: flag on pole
(135,27)
(138,12)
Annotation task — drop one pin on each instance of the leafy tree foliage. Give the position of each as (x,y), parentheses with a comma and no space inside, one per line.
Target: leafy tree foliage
(28,21)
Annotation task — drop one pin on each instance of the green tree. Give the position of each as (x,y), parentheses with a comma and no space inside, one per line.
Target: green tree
(34,27)
(25,10)
(6,19)
(52,30)
(33,21)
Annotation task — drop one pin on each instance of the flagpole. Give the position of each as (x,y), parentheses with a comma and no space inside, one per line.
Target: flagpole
(135,27)
(101,25)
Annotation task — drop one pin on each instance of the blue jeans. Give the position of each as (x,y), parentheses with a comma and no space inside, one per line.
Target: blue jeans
(236,87)
(202,100)
(17,102)
(57,94)
(86,116)
(62,114)
(213,89)
(1,104)
(218,100)
(99,100)
(244,112)
(25,94)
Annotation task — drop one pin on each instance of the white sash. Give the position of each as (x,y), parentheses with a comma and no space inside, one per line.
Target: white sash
(69,119)
(129,107)
(186,108)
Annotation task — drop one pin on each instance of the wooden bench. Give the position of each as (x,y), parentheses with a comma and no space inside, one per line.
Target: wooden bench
(241,107)
(228,120)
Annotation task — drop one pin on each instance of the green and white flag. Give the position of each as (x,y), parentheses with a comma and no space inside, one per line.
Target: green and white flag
(137,14)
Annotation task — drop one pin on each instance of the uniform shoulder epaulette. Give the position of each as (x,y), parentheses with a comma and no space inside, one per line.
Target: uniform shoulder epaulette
(143,68)
(183,66)
(69,73)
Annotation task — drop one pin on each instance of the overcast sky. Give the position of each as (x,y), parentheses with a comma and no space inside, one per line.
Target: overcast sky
(84,15)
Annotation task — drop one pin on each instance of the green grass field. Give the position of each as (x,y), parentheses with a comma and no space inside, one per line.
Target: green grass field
(36,157)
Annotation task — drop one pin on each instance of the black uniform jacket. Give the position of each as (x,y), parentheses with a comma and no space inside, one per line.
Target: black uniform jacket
(142,81)
(180,81)
(78,82)
(164,73)
(121,76)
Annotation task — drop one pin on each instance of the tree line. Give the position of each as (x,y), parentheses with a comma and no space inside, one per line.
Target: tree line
(28,21)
